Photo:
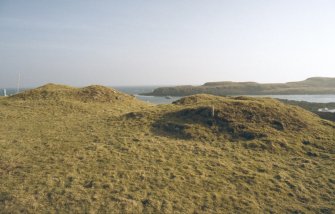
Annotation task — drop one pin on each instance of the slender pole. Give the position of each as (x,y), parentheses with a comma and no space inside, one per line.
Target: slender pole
(5,92)
(18,84)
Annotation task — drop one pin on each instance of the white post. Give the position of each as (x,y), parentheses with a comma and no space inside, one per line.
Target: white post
(4,92)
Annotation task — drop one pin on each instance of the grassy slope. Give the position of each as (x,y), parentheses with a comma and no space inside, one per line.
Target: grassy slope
(82,155)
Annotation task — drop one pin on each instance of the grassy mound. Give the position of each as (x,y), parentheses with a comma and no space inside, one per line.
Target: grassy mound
(92,93)
(210,117)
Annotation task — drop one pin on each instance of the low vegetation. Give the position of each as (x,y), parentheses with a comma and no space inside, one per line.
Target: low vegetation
(96,150)
(314,107)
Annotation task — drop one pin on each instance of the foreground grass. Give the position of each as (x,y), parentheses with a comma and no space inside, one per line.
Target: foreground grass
(75,156)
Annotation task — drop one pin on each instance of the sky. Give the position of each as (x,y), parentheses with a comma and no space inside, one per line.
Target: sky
(156,42)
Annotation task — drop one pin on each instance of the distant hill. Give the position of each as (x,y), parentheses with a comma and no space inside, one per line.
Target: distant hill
(314,85)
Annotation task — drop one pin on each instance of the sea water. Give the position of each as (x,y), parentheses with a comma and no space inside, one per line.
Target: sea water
(137,90)
(9,91)
(306,98)
(328,98)
(323,98)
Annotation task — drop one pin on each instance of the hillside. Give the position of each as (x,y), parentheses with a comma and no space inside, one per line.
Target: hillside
(315,85)
(97,150)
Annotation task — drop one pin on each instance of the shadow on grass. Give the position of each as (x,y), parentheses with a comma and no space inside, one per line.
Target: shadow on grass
(202,123)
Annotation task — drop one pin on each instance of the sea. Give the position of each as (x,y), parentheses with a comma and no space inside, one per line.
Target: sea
(137,90)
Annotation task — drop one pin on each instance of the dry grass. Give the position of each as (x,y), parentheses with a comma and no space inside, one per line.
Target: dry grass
(84,151)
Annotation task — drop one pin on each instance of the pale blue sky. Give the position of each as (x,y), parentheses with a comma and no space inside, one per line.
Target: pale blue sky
(154,42)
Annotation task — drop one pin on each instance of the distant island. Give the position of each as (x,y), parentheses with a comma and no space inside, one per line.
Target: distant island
(314,85)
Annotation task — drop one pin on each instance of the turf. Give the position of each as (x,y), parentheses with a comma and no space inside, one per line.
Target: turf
(96,150)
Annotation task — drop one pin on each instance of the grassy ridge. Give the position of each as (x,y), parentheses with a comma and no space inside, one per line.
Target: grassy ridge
(78,150)
(315,85)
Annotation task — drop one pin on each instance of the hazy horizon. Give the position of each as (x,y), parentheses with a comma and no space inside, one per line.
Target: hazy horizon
(155,43)
(14,86)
